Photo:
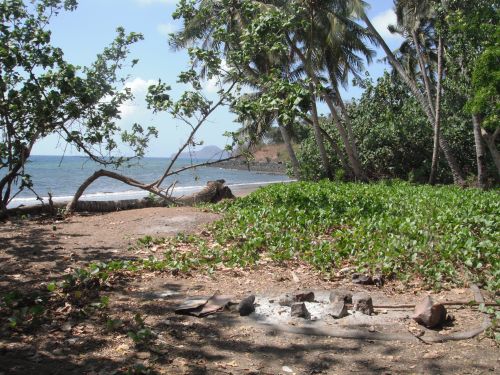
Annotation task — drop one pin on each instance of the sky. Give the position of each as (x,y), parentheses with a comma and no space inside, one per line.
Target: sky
(83,33)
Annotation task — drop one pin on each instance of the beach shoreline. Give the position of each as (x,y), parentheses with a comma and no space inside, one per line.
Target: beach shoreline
(238,189)
(271,167)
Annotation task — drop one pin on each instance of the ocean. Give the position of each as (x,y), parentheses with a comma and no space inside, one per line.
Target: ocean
(61,177)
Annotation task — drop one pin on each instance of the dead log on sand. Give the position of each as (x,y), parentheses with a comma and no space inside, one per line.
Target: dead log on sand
(213,192)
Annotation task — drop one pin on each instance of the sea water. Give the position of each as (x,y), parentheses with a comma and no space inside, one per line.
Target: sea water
(62,176)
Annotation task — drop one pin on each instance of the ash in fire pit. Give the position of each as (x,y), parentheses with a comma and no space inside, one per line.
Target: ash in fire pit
(320,307)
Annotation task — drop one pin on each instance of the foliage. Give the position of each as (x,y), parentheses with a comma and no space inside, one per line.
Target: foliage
(442,235)
(141,334)
(473,35)
(394,139)
(42,94)
(486,81)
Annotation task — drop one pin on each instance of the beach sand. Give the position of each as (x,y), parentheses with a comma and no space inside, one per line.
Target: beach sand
(40,248)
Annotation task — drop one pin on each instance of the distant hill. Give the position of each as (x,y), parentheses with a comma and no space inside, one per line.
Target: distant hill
(207,152)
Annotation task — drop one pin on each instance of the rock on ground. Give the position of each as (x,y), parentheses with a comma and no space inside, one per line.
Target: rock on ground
(363,303)
(429,314)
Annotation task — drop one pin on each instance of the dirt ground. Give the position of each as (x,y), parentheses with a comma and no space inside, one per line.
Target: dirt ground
(33,253)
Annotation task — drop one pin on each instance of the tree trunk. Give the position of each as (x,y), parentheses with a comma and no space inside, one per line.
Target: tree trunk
(338,152)
(11,175)
(291,152)
(450,158)
(490,140)
(104,173)
(423,69)
(347,121)
(353,159)
(336,149)
(480,152)
(317,134)
(435,149)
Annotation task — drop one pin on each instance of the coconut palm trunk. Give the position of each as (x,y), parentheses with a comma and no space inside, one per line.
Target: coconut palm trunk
(351,155)
(423,69)
(285,134)
(458,177)
(435,149)
(317,134)
(353,160)
(347,119)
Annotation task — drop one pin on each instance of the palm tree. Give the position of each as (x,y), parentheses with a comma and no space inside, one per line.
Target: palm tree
(410,18)
(200,28)
(330,46)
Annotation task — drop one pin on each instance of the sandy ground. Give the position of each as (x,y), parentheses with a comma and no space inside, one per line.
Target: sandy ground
(35,252)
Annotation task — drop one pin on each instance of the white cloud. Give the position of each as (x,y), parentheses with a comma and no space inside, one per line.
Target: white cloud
(139,88)
(165,29)
(139,85)
(381,22)
(213,84)
(128,109)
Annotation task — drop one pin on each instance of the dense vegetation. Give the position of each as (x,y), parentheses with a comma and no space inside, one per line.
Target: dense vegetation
(433,117)
(442,235)
(394,140)
(43,94)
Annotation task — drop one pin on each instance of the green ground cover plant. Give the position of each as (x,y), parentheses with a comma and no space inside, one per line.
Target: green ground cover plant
(442,235)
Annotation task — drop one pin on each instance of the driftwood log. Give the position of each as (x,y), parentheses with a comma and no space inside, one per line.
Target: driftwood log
(213,192)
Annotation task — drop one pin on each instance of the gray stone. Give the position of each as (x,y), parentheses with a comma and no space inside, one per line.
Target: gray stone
(363,303)
(299,310)
(289,299)
(362,279)
(304,297)
(429,314)
(379,280)
(286,300)
(246,305)
(338,309)
(340,295)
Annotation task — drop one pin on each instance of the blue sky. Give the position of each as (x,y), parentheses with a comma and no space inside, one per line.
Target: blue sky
(85,32)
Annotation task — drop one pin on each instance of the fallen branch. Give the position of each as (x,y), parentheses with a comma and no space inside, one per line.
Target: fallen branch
(453,303)
(127,180)
(465,335)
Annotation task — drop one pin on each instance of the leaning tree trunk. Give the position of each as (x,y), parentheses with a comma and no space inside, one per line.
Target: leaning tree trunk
(351,155)
(317,134)
(335,147)
(126,180)
(480,152)
(353,160)
(423,69)
(347,120)
(458,178)
(338,152)
(291,152)
(435,148)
